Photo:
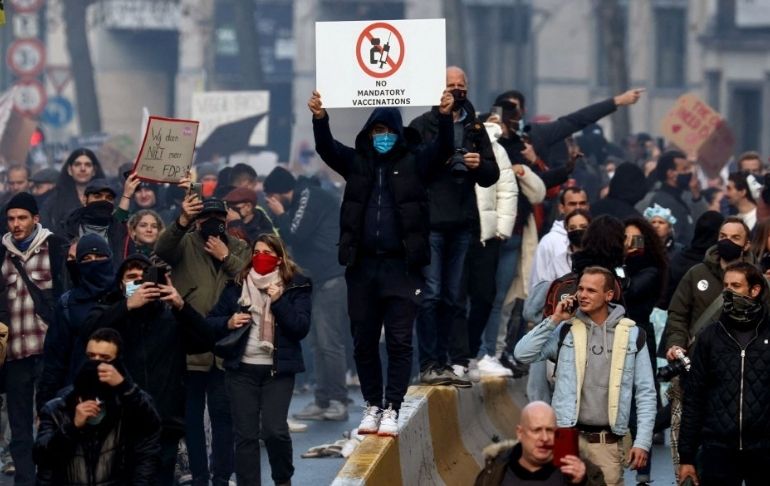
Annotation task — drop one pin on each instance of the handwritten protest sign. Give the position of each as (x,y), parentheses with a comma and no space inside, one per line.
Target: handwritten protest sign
(698,129)
(376,63)
(167,149)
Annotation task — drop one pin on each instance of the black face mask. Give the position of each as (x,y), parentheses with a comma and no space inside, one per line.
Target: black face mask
(99,212)
(212,227)
(683,181)
(729,251)
(460,96)
(575,237)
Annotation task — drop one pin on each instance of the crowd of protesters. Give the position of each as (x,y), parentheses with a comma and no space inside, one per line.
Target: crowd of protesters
(500,248)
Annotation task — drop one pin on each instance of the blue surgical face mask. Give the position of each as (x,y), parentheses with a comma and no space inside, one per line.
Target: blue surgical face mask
(383,142)
(131,287)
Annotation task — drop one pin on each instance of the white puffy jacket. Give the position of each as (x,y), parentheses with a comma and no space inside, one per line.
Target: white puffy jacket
(497,204)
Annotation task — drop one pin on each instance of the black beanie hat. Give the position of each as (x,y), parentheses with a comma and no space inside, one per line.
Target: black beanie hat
(279,181)
(23,200)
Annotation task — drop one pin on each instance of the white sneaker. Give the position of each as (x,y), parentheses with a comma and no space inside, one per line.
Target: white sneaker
(296,426)
(370,424)
(466,373)
(490,366)
(389,423)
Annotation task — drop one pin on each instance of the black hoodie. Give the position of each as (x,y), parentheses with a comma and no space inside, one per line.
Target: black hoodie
(627,187)
(385,206)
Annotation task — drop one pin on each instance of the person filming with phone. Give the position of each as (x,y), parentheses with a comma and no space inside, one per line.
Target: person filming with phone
(601,363)
(539,455)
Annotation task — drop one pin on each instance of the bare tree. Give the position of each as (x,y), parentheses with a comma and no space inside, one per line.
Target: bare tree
(82,66)
(611,23)
(248,48)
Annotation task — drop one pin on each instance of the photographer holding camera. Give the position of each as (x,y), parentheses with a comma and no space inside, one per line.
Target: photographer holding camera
(442,329)
(696,302)
(726,403)
(145,310)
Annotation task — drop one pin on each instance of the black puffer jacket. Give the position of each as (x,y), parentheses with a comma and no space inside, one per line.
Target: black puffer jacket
(719,382)
(385,205)
(124,450)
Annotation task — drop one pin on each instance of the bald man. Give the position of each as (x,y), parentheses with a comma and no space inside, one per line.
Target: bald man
(442,328)
(529,460)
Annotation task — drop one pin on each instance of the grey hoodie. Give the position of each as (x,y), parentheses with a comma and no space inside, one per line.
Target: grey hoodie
(594,395)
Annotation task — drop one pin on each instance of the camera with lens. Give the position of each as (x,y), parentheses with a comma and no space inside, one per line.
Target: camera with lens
(457,163)
(675,368)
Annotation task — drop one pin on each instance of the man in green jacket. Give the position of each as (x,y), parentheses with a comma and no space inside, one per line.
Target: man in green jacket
(203,258)
(697,302)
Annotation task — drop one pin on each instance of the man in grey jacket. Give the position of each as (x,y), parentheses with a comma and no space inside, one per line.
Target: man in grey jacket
(601,364)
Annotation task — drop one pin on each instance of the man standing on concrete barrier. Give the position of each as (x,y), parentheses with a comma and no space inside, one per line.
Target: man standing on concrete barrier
(384,227)
(528,460)
(601,364)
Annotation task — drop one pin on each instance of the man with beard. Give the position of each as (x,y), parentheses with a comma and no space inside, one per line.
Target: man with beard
(726,403)
(104,430)
(202,261)
(96,217)
(64,348)
(32,268)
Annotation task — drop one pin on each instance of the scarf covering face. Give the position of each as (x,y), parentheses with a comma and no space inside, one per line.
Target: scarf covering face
(254,295)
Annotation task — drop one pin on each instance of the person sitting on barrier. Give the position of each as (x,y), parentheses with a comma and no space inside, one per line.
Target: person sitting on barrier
(529,458)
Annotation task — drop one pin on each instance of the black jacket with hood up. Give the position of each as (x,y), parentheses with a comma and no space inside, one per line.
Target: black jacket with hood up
(385,205)
(627,187)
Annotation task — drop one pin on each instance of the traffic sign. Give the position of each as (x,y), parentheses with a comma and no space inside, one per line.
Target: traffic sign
(25,26)
(58,112)
(30,97)
(26,57)
(59,76)
(383,52)
(26,6)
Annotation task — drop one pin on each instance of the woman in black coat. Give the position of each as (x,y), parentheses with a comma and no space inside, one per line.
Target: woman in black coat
(263,315)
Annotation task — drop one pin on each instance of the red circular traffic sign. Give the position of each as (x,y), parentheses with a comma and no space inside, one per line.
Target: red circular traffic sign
(384,55)
(26,6)
(30,97)
(26,57)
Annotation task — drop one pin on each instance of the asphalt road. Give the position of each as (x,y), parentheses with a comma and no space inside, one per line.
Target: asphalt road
(315,472)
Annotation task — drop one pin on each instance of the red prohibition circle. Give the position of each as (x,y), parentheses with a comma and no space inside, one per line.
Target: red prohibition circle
(362,64)
(38,86)
(37,45)
(26,6)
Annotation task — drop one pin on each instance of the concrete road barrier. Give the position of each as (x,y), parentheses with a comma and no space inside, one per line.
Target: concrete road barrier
(443,433)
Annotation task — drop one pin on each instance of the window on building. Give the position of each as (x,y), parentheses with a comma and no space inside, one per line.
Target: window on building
(746,117)
(602,58)
(670,46)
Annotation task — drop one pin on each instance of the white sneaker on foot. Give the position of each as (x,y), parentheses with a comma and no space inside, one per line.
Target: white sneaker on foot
(490,366)
(370,424)
(388,423)
(464,373)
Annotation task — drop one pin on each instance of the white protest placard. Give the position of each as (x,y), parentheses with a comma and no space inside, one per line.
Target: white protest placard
(380,63)
(167,149)
(216,108)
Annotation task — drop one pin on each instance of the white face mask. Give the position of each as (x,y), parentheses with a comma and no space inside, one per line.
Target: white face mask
(131,287)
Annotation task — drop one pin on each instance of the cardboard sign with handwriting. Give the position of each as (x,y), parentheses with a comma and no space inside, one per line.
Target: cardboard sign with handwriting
(167,149)
(697,129)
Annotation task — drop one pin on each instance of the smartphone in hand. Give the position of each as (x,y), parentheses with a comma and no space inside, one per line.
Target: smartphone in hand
(565,443)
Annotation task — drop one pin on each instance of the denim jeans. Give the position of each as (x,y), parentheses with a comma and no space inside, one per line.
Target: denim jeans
(507,267)
(329,334)
(260,407)
(21,376)
(442,303)
(208,388)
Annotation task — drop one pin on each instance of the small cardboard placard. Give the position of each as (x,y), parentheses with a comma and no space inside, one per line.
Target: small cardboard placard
(697,129)
(167,149)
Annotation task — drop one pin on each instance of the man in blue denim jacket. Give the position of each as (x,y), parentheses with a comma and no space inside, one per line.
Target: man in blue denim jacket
(599,370)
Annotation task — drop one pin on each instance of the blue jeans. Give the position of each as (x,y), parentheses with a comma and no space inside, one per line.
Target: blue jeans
(208,387)
(507,267)
(442,301)
(329,332)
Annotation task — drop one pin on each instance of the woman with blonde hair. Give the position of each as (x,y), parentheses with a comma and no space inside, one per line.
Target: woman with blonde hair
(144,228)
(257,325)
